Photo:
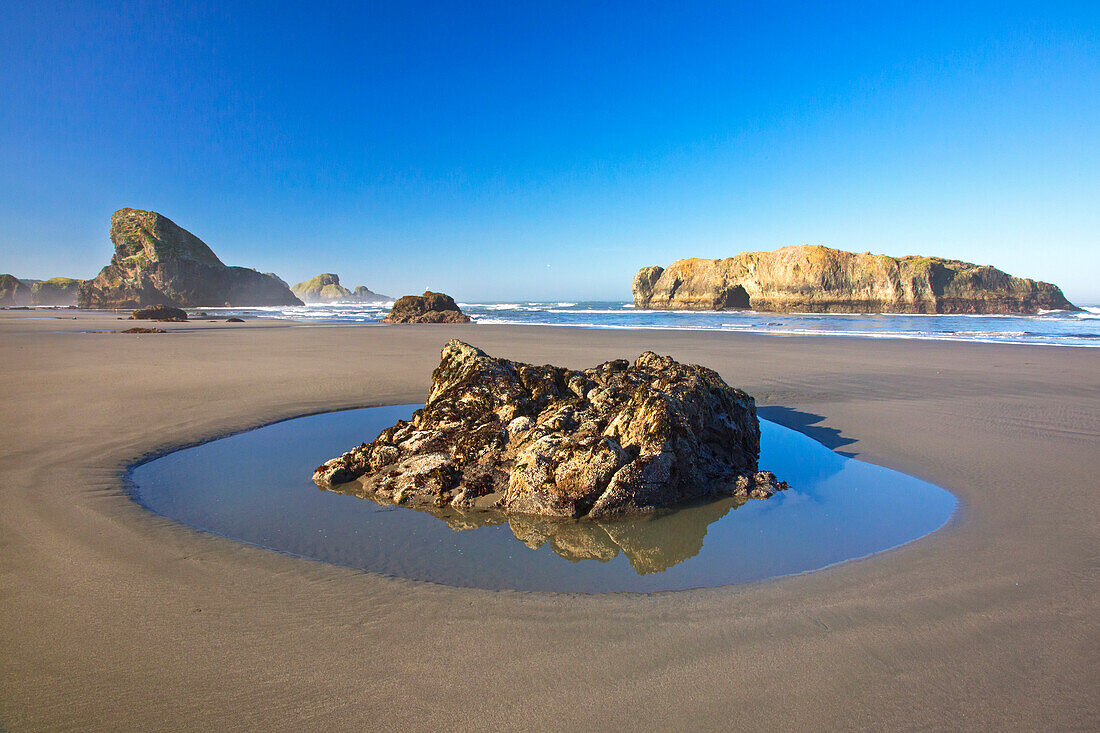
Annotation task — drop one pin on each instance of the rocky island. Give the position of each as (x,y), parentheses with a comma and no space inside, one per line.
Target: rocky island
(816,279)
(427,308)
(614,440)
(326,288)
(158,262)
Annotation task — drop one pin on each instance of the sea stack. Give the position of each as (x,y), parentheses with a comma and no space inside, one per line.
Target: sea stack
(326,288)
(816,279)
(158,262)
(614,440)
(427,308)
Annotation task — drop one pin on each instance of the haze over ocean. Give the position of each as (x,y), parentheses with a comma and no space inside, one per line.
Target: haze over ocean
(504,152)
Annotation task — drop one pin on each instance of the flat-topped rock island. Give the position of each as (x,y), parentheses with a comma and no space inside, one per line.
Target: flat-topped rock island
(816,279)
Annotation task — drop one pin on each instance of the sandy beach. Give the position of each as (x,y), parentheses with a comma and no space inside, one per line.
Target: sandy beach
(112,618)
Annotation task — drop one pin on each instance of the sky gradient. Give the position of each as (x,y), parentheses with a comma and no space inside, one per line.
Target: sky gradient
(520,151)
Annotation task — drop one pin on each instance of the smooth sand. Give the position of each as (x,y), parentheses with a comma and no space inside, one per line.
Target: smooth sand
(113,618)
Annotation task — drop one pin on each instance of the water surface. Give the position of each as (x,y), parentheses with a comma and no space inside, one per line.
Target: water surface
(1053,328)
(256,487)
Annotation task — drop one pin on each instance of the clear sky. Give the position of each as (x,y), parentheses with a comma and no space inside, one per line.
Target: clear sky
(504,151)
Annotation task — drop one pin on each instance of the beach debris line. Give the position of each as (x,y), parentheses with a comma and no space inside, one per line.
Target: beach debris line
(616,439)
(427,308)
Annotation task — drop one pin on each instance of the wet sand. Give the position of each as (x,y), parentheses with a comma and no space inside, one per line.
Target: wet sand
(114,618)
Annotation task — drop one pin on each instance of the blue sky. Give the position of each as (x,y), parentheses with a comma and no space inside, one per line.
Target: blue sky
(503,151)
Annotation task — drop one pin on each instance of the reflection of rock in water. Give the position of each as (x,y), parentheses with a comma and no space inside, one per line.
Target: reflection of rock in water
(573,540)
(656,543)
(651,543)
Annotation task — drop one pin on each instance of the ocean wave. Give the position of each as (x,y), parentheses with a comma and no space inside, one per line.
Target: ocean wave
(1087,313)
(1064,328)
(985,337)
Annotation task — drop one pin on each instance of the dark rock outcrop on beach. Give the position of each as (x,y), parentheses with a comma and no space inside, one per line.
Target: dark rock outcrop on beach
(617,439)
(159,262)
(427,308)
(159,313)
(326,288)
(14,292)
(817,279)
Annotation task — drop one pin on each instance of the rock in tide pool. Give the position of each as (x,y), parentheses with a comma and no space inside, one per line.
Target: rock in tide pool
(158,262)
(816,279)
(427,308)
(617,439)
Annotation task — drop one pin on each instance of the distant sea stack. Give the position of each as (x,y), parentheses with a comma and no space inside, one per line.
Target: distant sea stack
(326,288)
(14,292)
(56,291)
(159,262)
(427,308)
(816,279)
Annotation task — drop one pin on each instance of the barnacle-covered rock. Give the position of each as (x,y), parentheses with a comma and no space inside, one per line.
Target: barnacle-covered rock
(613,440)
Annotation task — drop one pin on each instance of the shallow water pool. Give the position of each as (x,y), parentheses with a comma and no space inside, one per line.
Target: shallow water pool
(256,487)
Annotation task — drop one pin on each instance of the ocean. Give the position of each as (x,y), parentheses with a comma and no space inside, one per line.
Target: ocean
(1052,328)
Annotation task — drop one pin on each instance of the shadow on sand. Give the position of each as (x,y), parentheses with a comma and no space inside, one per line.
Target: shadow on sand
(807,424)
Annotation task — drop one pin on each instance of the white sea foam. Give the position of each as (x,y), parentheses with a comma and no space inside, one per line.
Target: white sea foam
(1088,313)
(986,337)
(1064,328)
